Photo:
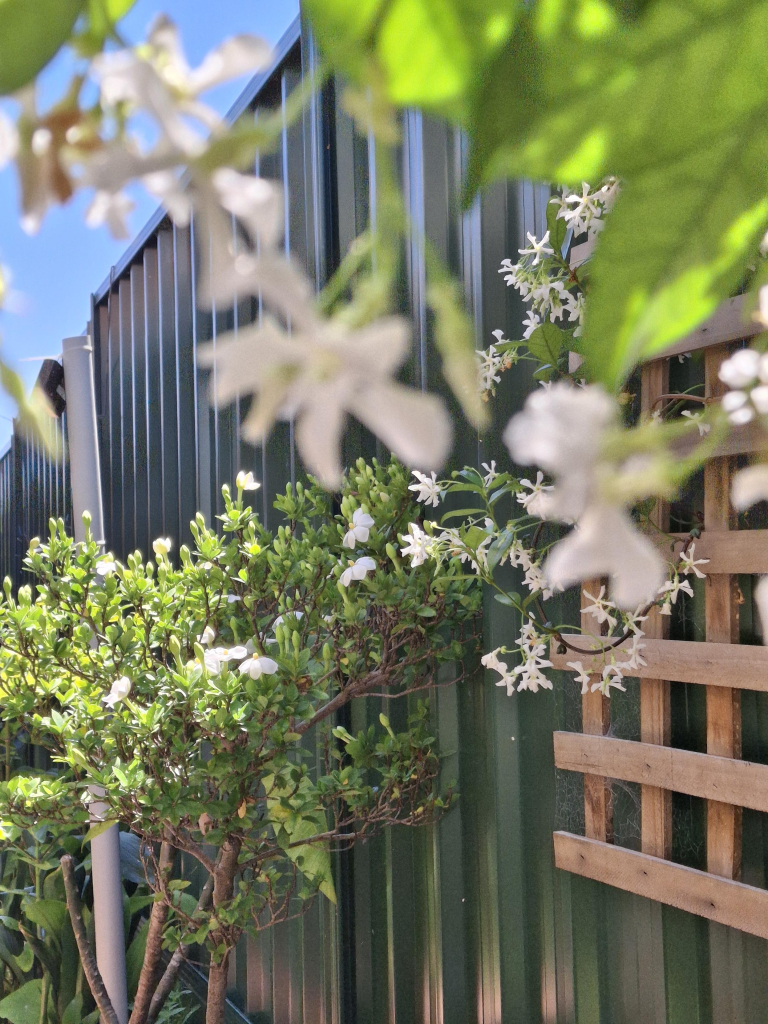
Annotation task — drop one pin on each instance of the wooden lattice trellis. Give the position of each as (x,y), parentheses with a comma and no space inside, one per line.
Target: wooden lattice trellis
(719,776)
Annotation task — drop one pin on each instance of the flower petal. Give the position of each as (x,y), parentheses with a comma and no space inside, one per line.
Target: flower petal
(749,486)
(415,426)
(318,434)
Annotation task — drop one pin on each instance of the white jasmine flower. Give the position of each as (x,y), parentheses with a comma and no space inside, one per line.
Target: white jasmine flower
(673,588)
(535,500)
(255,667)
(562,431)
(357,571)
(359,528)
(743,368)
(106,566)
(162,546)
(582,676)
(530,675)
(246,481)
(537,249)
(601,608)
(492,662)
(490,472)
(112,209)
(319,374)
(611,677)
(120,690)
(749,486)
(634,659)
(489,367)
(688,564)
(530,323)
(585,210)
(698,419)
(207,637)
(417,545)
(427,489)
(736,404)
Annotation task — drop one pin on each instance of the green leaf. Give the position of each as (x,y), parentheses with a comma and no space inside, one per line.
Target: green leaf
(48,914)
(31,33)
(97,829)
(25,959)
(23,1005)
(675,104)
(74,1011)
(547,342)
(430,51)
(102,16)
(556,226)
(313,860)
(134,958)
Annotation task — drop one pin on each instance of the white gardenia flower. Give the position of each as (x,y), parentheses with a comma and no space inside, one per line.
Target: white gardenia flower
(212,663)
(318,375)
(207,637)
(359,529)
(688,564)
(256,667)
(227,654)
(417,545)
(562,431)
(357,571)
(162,546)
(106,566)
(246,481)
(120,690)
(582,676)
(749,486)
(427,489)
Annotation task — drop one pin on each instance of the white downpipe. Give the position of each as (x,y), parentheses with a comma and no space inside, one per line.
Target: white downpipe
(85,476)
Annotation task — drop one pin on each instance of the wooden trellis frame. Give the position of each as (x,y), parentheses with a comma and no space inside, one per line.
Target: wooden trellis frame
(719,776)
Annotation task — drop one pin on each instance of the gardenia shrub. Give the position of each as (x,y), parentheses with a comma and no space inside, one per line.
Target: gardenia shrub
(201,699)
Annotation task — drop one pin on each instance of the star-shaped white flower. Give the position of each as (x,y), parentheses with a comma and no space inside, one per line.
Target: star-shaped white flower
(359,529)
(537,249)
(417,545)
(582,676)
(357,571)
(534,498)
(427,488)
(320,374)
(688,564)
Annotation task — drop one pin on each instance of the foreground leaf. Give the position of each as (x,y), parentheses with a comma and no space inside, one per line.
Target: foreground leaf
(23,1005)
(31,33)
(676,105)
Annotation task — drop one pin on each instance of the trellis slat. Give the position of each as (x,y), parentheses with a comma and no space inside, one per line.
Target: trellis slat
(732,552)
(721,627)
(725,779)
(596,719)
(697,892)
(684,661)
(655,706)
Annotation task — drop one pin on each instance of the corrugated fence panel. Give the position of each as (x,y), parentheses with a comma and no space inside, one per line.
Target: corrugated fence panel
(467,921)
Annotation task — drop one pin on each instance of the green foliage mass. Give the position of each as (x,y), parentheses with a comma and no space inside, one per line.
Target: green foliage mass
(243,771)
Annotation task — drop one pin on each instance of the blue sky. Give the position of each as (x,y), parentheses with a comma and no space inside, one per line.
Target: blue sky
(55,271)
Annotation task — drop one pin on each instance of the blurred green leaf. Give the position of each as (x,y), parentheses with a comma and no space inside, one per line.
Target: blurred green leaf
(431,52)
(31,33)
(675,104)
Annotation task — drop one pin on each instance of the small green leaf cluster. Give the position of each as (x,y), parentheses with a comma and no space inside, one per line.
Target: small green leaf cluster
(201,696)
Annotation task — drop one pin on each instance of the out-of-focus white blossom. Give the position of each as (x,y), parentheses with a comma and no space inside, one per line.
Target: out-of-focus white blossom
(317,377)
(749,486)
(562,430)
(112,209)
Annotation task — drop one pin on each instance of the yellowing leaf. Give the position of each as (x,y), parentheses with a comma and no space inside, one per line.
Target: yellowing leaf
(313,859)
